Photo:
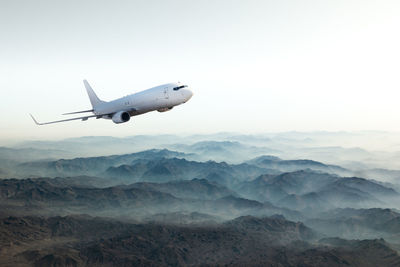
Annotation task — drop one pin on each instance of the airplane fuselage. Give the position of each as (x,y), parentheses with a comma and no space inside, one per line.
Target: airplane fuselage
(160,98)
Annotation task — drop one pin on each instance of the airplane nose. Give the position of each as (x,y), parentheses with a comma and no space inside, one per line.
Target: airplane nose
(189,94)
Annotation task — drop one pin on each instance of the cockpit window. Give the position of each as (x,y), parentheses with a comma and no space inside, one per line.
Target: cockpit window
(180,87)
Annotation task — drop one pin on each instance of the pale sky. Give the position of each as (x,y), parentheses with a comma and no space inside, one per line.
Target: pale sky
(254,66)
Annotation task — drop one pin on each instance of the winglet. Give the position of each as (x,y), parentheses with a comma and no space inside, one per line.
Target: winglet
(35,120)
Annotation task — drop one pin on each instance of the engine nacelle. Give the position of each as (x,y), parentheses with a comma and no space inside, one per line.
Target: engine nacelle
(121,117)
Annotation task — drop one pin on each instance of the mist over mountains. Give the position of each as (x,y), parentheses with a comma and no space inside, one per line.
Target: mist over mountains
(220,199)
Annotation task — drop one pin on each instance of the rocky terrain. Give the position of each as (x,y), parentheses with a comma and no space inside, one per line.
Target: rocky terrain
(84,240)
(162,207)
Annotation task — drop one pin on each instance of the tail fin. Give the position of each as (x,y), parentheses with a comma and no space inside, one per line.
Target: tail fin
(94,100)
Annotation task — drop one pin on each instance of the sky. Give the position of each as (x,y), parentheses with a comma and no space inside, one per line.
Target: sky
(254,66)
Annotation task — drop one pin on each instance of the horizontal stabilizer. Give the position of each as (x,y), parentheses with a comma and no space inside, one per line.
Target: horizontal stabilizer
(76,112)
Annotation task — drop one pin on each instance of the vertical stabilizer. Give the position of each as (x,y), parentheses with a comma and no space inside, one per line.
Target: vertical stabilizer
(92,95)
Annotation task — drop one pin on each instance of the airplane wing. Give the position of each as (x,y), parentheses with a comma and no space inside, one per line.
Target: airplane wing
(76,112)
(85,118)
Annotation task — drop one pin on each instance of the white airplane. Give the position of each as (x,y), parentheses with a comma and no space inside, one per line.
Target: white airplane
(161,98)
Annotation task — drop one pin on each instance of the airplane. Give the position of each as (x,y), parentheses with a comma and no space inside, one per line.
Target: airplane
(161,98)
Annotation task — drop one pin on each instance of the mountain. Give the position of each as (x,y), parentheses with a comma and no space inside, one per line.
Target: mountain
(168,169)
(276,187)
(336,148)
(89,166)
(301,182)
(96,241)
(358,223)
(80,181)
(358,192)
(309,191)
(231,151)
(374,252)
(245,241)
(307,202)
(260,189)
(183,218)
(286,231)
(161,207)
(370,187)
(272,162)
(334,195)
(232,202)
(42,196)
(193,189)
(150,165)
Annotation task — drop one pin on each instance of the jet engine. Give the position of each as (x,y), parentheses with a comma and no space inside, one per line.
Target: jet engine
(121,117)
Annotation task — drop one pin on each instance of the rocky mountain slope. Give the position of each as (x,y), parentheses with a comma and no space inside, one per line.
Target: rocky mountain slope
(84,240)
